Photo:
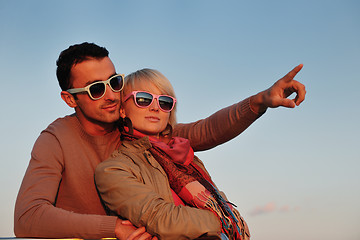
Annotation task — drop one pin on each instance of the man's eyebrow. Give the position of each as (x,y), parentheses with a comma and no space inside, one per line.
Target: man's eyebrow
(90,82)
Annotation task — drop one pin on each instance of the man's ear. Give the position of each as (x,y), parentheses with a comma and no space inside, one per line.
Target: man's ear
(69,99)
(122,112)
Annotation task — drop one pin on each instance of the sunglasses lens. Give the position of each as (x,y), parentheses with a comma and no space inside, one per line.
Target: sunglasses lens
(143,99)
(166,103)
(97,90)
(117,83)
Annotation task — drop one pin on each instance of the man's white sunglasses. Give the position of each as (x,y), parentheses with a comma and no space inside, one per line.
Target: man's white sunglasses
(97,90)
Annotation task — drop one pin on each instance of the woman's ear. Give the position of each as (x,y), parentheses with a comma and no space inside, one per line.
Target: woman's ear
(69,99)
(122,112)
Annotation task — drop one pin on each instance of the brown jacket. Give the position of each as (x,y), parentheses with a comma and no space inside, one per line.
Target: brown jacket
(134,185)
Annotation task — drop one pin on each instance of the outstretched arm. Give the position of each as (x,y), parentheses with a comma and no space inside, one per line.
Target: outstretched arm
(219,128)
(229,122)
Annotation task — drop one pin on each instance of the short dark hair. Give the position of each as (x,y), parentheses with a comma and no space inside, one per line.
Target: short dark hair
(76,54)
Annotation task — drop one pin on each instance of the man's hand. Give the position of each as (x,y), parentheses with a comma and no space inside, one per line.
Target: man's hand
(277,94)
(124,230)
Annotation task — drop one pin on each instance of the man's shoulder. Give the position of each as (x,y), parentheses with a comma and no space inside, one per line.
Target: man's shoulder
(59,132)
(63,125)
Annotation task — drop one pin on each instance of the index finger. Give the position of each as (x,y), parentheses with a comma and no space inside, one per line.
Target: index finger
(136,234)
(290,76)
(145,236)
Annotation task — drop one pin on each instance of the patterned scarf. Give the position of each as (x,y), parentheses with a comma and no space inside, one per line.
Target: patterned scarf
(191,183)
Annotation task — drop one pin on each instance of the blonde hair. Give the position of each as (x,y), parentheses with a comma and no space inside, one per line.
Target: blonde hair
(155,77)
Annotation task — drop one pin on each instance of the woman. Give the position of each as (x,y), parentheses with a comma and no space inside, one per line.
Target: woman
(164,187)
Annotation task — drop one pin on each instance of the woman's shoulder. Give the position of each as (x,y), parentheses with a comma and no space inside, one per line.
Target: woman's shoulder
(117,161)
(127,155)
(139,145)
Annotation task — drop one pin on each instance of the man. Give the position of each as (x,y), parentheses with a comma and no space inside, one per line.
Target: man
(58,198)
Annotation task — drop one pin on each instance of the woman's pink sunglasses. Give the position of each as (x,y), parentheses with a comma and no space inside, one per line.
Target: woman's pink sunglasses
(144,99)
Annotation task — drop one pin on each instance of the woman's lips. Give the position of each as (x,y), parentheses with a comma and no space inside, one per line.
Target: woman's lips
(152,118)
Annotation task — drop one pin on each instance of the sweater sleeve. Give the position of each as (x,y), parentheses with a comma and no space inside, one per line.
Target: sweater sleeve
(218,128)
(144,206)
(35,211)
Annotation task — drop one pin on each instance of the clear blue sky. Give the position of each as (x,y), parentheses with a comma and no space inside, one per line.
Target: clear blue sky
(294,173)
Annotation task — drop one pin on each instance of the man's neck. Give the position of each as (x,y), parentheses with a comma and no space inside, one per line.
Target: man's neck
(96,128)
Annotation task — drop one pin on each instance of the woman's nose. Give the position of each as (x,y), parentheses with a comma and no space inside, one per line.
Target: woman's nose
(154,105)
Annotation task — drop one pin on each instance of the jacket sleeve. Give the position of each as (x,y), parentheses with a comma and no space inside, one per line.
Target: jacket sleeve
(35,214)
(121,186)
(218,128)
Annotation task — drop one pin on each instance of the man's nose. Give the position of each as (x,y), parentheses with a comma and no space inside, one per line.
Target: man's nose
(110,94)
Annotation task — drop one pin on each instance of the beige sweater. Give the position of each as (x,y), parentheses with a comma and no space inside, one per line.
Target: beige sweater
(58,198)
